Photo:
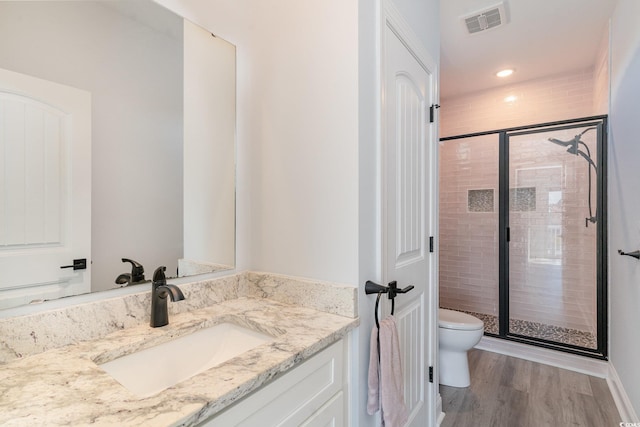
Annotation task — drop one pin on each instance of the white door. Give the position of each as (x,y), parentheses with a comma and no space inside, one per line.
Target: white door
(408,217)
(45,189)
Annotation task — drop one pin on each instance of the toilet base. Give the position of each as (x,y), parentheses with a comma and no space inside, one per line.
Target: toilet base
(454,368)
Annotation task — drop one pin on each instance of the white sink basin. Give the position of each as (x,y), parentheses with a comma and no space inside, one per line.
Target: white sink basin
(154,369)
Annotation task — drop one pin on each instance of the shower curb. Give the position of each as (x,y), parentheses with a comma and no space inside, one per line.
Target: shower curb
(583,365)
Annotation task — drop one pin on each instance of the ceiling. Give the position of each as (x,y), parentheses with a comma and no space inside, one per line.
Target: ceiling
(541,38)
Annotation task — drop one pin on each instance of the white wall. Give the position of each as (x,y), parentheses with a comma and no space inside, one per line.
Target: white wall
(233,21)
(424,18)
(369,199)
(624,199)
(209,150)
(303,164)
(601,76)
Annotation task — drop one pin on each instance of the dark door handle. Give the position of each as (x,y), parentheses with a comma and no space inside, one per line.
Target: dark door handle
(78,264)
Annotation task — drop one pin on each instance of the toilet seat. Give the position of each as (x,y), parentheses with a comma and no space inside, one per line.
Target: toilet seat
(457,320)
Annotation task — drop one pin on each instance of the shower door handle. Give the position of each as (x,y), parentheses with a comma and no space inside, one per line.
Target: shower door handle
(508,234)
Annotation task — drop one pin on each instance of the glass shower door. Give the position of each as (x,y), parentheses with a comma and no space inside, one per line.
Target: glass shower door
(552,219)
(468,244)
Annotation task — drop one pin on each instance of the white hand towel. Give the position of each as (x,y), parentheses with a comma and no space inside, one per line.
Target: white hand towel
(386,384)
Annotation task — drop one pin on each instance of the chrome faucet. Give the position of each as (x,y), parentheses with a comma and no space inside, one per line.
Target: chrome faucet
(160,290)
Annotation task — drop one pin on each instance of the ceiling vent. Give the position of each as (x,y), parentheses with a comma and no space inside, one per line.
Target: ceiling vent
(487,19)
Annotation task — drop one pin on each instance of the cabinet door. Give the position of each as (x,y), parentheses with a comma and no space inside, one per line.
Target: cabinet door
(293,398)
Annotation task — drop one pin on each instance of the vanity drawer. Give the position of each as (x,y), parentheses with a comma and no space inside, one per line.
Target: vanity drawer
(311,391)
(330,414)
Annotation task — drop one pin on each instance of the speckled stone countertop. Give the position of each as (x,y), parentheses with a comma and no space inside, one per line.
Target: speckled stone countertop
(65,386)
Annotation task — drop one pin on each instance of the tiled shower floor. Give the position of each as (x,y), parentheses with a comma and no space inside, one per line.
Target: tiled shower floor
(538,330)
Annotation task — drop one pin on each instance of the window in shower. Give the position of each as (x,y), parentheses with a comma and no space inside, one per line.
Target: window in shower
(545,244)
(545,240)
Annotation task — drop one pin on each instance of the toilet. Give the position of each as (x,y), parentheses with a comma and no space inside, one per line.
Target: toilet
(458,333)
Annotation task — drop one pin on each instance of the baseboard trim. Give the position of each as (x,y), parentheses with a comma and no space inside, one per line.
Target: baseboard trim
(620,397)
(440,416)
(572,362)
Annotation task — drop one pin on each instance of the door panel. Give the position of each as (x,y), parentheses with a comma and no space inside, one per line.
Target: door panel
(45,189)
(407,209)
(411,331)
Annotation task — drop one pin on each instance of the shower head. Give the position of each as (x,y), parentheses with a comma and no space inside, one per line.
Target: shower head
(572,143)
(573,148)
(564,143)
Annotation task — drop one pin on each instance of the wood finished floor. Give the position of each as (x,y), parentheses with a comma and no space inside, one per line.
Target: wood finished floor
(511,392)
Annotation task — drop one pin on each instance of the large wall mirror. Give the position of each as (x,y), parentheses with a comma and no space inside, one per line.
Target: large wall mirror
(117,141)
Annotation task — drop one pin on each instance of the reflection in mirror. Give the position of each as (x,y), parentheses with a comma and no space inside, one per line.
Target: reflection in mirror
(117,141)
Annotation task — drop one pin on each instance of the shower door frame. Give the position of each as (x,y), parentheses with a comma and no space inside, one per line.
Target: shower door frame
(503,232)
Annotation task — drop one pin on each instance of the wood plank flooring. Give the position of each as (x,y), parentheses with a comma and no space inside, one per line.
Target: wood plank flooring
(511,392)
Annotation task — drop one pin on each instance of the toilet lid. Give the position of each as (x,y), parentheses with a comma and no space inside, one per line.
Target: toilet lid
(450,319)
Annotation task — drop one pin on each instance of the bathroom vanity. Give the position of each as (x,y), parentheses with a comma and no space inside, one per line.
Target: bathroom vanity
(296,377)
(312,394)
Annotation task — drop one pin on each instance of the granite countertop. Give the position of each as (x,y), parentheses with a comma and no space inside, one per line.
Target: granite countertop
(64,386)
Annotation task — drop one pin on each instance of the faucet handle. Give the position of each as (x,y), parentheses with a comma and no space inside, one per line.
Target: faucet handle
(158,276)
(137,270)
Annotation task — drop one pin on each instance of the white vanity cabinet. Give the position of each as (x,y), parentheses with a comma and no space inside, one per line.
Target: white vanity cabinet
(312,394)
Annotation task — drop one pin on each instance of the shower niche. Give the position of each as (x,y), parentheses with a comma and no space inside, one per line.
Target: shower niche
(523,232)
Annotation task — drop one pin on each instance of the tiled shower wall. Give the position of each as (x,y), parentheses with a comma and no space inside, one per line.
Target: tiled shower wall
(469,239)
(561,293)
(551,288)
(601,77)
(552,268)
(538,101)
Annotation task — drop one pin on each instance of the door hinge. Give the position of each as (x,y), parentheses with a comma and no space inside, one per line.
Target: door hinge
(430,374)
(508,234)
(432,112)
(430,243)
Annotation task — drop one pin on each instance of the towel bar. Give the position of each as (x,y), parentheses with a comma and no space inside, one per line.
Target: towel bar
(635,254)
(392,290)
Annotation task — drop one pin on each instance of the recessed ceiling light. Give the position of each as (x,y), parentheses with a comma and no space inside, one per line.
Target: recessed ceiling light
(504,73)
(510,98)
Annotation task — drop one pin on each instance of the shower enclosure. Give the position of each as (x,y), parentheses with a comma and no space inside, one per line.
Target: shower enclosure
(523,232)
